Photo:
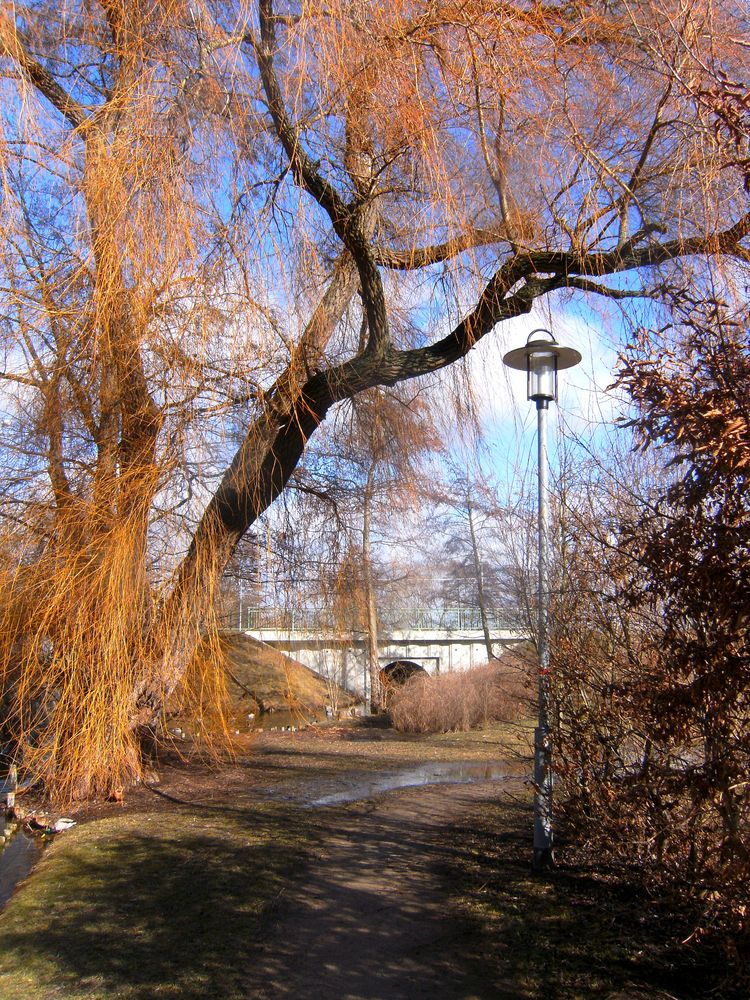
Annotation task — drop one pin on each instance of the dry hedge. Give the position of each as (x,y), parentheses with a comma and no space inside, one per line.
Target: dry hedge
(457,702)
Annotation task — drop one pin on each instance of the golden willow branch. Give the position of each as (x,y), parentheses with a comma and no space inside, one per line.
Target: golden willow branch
(14,45)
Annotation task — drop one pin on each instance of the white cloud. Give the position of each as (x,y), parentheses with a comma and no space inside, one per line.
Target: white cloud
(586,409)
(584,397)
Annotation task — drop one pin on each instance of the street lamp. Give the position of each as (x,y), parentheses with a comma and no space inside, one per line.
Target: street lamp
(542,358)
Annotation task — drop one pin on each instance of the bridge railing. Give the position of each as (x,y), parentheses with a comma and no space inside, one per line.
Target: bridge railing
(413,619)
(465,619)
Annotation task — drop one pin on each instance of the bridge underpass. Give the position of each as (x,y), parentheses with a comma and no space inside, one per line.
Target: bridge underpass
(440,640)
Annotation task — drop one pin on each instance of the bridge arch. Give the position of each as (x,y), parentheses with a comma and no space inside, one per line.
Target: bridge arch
(439,640)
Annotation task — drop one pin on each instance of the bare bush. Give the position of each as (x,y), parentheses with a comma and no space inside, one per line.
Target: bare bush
(457,702)
(651,662)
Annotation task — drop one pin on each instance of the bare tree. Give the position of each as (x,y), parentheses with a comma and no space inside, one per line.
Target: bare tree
(369,467)
(213,209)
(468,511)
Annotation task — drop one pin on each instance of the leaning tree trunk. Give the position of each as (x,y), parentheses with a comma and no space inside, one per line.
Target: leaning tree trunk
(267,456)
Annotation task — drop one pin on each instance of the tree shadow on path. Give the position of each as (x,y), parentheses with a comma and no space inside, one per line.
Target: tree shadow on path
(578,933)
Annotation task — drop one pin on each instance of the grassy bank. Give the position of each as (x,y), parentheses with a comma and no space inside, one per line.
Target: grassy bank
(149,905)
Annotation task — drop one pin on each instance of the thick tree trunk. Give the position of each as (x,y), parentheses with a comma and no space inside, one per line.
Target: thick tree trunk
(270,451)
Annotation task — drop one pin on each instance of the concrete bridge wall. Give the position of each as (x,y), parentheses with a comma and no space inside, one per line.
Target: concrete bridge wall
(343,656)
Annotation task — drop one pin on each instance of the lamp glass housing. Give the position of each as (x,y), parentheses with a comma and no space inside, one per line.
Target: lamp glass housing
(541,368)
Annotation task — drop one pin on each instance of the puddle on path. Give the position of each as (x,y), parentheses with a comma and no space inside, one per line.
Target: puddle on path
(434,773)
(17,859)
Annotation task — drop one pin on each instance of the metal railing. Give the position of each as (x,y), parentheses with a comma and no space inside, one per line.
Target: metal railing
(412,619)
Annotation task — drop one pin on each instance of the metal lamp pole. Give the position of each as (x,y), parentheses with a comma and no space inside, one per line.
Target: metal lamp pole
(541,358)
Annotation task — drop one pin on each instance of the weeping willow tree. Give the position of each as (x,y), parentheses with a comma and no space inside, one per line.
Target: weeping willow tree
(221,218)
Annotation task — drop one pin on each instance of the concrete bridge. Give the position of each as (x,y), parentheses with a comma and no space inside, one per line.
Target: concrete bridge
(438,639)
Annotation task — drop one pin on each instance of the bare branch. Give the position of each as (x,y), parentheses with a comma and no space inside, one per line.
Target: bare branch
(584,285)
(411,260)
(349,221)
(598,265)
(13,44)
(635,177)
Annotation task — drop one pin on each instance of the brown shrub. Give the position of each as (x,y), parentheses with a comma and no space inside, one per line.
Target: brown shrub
(458,701)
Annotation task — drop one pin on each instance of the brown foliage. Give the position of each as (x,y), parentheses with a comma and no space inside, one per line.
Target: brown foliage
(652,662)
(458,701)
(76,669)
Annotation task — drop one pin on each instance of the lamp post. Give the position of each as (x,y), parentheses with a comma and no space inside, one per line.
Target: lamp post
(541,358)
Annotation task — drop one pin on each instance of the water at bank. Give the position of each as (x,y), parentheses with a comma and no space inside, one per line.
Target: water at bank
(286,720)
(17,859)
(432,773)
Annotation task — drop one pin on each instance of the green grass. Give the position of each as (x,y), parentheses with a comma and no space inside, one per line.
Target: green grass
(162,905)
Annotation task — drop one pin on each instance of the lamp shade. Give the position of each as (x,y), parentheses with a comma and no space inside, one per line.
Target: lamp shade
(541,358)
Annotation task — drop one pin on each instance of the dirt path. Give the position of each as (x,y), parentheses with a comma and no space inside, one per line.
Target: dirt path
(371,919)
(220,884)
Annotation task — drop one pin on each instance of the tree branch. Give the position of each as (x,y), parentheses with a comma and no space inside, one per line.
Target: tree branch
(584,285)
(304,170)
(412,260)
(349,221)
(635,177)
(599,265)
(13,44)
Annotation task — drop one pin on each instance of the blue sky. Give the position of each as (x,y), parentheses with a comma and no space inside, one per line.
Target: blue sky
(587,406)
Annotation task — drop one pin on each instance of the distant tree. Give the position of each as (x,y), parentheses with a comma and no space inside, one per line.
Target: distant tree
(242,582)
(473,568)
(370,468)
